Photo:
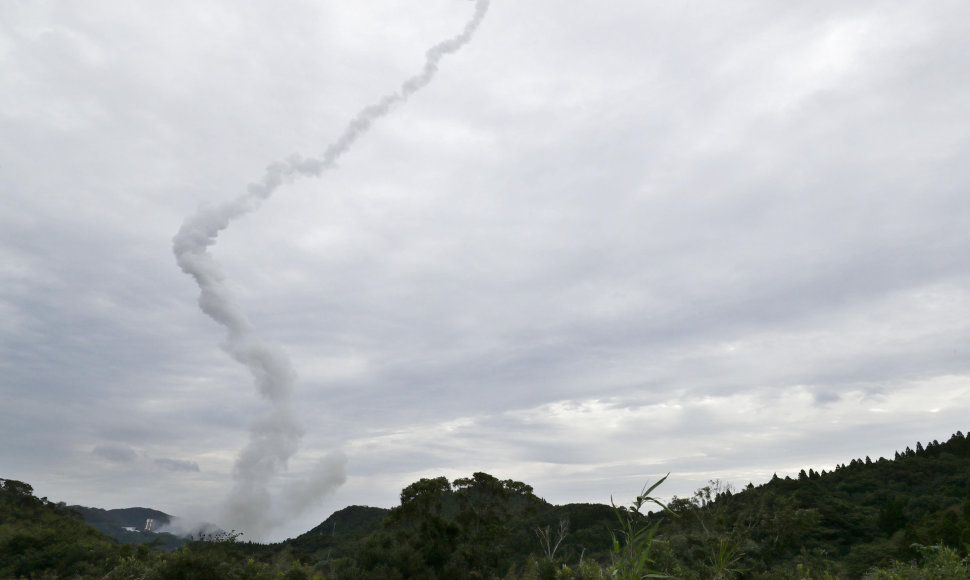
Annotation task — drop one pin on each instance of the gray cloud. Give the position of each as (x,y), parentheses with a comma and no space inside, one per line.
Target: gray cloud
(721,240)
(116,453)
(177,464)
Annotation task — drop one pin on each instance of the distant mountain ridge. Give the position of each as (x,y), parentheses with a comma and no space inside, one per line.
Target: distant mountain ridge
(135,517)
(131,526)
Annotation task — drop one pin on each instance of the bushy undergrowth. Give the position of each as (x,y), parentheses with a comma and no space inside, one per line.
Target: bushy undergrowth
(936,563)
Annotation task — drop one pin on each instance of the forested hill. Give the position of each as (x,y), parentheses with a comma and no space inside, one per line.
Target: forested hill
(865,519)
(864,513)
(38,536)
(341,528)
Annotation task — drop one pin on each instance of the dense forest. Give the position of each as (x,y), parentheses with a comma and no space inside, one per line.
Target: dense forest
(905,517)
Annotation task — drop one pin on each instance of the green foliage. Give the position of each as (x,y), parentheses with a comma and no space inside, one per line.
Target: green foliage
(867,519)
(938,563)
(825,525)
(337,540)
(39,538)
(836,524)
(633,540)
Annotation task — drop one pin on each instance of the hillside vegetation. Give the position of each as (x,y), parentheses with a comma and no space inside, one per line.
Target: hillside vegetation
(905,517)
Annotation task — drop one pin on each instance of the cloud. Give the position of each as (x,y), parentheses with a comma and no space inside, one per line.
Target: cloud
(116,453)
(124,454)
(177,464)
(608,242)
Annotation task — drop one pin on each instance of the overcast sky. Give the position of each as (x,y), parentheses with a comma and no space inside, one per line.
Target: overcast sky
(610,240)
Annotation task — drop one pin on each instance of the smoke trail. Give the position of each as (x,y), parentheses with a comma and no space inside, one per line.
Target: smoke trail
(275,437)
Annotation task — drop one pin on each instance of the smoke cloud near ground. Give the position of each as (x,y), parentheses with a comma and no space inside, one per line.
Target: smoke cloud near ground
(274,438)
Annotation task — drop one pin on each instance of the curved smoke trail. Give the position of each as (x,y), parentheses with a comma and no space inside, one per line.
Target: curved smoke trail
(275,437)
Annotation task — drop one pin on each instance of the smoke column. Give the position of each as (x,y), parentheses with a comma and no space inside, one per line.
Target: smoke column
(274,438)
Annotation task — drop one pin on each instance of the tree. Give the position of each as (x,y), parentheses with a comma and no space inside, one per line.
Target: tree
(892,516)
(16,488)
(549,541)
(485,506)
(425,496)
(421,527)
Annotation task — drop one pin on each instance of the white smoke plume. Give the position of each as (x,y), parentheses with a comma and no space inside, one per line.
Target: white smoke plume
(274,437)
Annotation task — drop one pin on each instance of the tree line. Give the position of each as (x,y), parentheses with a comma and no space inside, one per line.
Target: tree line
(905,517)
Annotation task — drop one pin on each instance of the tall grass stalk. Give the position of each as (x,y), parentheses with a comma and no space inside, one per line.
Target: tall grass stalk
(633,540)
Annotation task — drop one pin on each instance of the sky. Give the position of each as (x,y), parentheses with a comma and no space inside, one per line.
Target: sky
(607,241)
